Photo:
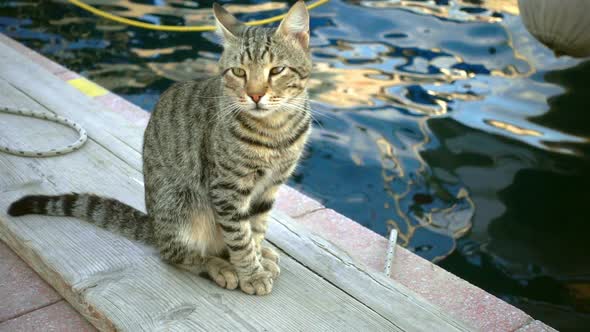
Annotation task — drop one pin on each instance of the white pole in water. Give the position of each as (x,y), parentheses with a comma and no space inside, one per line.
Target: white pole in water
(390,251)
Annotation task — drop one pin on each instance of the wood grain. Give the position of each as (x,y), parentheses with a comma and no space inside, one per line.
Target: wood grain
(123,138)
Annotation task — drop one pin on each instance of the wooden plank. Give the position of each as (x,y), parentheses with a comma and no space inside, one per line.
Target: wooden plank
(110,129)
(389,299)
(121,285)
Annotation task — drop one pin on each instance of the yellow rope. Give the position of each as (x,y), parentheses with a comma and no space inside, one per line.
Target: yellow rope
(139,24)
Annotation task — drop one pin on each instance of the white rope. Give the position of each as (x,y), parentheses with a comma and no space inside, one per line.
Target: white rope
(49,117)
(390,252)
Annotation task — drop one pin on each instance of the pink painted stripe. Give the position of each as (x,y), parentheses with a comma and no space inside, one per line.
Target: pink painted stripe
(461,299)
(294,203)
(130,111)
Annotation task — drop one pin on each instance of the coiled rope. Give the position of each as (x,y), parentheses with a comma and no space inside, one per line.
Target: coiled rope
(49,117)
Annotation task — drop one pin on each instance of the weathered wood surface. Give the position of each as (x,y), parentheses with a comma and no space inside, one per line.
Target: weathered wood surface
(119,284)
(379,292)
(110,129)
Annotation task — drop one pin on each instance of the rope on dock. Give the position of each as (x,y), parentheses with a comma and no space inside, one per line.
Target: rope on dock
(48,117)
(175,28)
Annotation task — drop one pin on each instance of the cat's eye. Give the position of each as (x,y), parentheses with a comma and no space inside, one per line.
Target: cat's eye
(239,72)
(276,70)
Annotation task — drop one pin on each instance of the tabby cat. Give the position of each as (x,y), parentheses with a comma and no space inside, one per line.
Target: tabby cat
(215,152)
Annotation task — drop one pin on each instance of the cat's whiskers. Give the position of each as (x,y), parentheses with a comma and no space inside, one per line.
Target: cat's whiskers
(302,109)
(223,111)
(230,110)
(313,113)
(317,112)
(213,97)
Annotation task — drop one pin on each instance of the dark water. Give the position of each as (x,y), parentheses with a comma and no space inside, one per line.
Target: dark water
(442,119)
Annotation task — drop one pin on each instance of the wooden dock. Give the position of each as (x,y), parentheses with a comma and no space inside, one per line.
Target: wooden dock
(117,284)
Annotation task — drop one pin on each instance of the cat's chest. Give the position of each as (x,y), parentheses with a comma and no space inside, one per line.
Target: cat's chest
(264,179)
(268,150)
(266,176)
(270,161)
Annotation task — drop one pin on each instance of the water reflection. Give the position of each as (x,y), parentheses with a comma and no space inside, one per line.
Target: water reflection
(527,244)
(461,10)
(573,103)
(442,119)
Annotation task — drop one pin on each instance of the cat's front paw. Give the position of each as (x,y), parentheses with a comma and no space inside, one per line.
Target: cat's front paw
(222,272)
(259,283)
(269,253)
(271,266)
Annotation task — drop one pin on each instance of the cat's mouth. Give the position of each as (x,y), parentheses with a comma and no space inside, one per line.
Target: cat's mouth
(258,108)
(259,111)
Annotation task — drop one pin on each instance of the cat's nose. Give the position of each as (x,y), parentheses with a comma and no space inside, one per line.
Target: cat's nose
(256,97)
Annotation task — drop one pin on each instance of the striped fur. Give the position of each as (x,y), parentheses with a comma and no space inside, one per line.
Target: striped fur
(103,212)
(215,152)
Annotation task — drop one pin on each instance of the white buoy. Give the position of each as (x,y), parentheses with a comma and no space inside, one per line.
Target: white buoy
(562,25)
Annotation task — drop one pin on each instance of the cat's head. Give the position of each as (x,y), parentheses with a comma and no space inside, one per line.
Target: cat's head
(265,69)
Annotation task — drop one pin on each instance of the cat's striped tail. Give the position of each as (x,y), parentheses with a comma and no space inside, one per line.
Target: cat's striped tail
(104,212)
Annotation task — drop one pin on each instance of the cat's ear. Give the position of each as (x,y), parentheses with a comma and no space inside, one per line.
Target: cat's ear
(228,27)
(296,24)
